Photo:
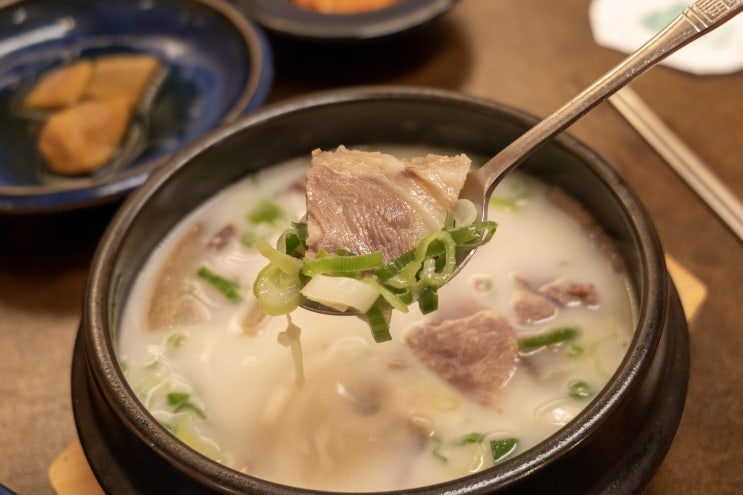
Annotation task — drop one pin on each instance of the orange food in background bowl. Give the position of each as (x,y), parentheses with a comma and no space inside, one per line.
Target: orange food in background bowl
(93,101)
(83,137)
(60,87)
(344,6)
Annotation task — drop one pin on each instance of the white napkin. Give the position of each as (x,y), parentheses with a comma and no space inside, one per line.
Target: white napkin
(625,25)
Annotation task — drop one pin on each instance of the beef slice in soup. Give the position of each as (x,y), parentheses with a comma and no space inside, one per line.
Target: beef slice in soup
(530,307)
(174,302)
(533,305)
(362,202)
(566,293)
(476,354)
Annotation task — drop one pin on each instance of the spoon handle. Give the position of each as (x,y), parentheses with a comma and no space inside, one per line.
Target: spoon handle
(699,18)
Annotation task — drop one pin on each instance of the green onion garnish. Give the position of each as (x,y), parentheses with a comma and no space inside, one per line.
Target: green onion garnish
(428,300)
(580,390)
(342,265)
(556,336)
(502,449)
(176,340)
(181,401)
(414,276)
(469,438)
(277,291)
(379,323)
(266,212)
(228,288)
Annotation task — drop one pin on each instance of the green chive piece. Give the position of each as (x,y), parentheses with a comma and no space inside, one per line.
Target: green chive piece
(331,265)
(428,300)
(248,239)
(300,228)
(181,401)
(502,449)
(378,319)
(228,288)
(556,336)
(414,276)
(436,451)
(469,438)
(277,292)
(575,351)
(176,340)
(266,212)
(580,390)
(439,456)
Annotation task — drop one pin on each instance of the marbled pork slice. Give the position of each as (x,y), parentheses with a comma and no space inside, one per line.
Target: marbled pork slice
(364,202)
(476,353)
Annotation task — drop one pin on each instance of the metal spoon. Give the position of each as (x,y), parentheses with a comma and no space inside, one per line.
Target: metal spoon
(698,19)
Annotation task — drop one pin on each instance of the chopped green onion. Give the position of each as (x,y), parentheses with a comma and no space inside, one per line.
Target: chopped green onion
(428,300)
(342,264)
(378,319)
(474,235)
(580,390)
(300,228)
(469,438)
(248,239)
(575,351)
(181,402)
(414,276)
(228,288)
(294,240)
(276,291)
(176,340)
(287,264)
(502,449)
(397,301)
(266,212)
(392,268)
(439,456)
(556,336)
(430,275)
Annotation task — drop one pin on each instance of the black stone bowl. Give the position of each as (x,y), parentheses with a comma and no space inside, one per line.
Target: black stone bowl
(614,446)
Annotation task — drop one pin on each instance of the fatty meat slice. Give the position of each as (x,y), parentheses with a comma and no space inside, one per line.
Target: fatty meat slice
(363,202)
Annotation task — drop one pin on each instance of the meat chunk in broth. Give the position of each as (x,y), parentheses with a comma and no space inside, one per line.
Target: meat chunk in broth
(362,202)
(476,354)
(174,301)
(569,293)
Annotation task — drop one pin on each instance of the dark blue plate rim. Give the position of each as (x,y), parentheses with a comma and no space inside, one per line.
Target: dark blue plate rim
(23,200)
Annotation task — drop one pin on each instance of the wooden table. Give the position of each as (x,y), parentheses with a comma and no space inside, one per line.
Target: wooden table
(531,54)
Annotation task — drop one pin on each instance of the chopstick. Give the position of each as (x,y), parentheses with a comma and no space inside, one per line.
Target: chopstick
(680,158)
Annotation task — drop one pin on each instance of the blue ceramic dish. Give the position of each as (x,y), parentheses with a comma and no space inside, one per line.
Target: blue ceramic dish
(285,18)
(218,67)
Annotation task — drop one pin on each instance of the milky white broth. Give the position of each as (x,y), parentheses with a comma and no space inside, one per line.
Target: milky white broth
(369,416)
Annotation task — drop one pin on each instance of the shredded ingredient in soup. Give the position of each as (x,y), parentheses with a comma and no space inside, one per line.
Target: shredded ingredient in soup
(472,384)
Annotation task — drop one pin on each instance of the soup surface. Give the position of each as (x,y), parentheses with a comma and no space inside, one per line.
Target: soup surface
(312,401)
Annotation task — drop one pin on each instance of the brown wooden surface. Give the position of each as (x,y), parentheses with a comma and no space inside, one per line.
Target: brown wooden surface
(532,54)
